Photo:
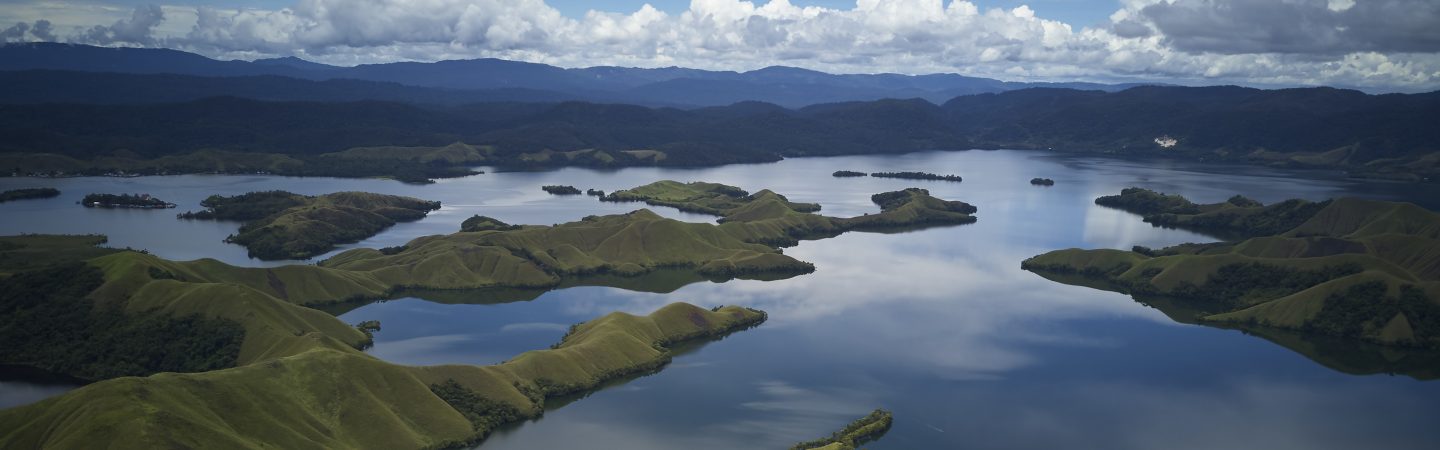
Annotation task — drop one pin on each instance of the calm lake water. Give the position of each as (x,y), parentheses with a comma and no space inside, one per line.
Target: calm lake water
(941,325)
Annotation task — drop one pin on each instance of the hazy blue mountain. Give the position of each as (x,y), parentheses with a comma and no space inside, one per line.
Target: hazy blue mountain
(672,86)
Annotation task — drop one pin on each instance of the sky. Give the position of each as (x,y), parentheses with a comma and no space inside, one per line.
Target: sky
(1376,45)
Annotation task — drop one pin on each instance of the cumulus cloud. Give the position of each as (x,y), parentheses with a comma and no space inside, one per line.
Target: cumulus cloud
(1389,44)
(138,29)
(41,30)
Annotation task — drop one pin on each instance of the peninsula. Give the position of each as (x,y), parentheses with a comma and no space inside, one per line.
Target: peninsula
(1356,269)
(201,354)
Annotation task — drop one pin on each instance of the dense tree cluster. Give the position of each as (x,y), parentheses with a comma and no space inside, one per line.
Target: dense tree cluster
(917,176)
(556,189)
(847,174)
(143,201)
(47,322)
(247,206)
(26,194)
(1146,202)
(484,414)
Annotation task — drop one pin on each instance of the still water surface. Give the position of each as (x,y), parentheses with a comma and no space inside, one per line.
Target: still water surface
(941,325)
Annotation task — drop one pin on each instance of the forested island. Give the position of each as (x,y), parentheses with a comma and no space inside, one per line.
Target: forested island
(917,176)
(1042,182)
(137,201)
(847,174)
(27,194)
(284,225)
(1356,269)
(555,189)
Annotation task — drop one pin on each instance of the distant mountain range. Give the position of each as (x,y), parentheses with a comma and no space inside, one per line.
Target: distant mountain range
(70,107)
(50,72)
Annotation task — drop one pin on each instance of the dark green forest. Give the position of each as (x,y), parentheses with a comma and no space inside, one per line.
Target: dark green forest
(1320,127)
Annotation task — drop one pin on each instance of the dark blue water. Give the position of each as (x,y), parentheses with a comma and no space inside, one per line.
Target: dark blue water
(941,326)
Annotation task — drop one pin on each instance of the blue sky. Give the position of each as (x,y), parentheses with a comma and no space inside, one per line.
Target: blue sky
(1379,45)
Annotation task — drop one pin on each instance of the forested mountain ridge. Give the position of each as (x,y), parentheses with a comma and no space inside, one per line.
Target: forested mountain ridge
(1373,135)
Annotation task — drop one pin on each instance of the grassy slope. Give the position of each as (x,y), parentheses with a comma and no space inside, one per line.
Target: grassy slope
(274,327)
(328,398)
(1392,244)
(630,244)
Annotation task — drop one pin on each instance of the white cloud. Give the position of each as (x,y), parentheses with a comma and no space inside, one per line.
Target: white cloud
(1195,41)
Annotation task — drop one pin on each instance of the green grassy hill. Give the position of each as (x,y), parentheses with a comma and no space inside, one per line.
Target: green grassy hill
(538,256)
(338,398)
(1355,269)
(282,225)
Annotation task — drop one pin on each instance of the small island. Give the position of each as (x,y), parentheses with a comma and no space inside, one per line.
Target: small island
(866,429)
(284,225)
(595,193)
(847,174)
(917,176)
(27,194)
(556,189)
(135,201)
(1042,182)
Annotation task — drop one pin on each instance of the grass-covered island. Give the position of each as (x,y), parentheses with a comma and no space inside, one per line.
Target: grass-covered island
(848,174)
(1042,182)
(136,201)
(862,430)
(284,225)
(769,218)
(925,176)
(28,193)
(556,189)
(1351,269)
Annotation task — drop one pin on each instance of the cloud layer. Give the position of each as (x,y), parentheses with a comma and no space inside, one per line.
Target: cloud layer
(1379,44)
